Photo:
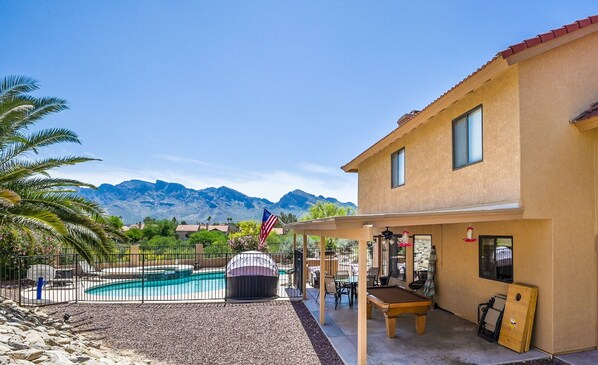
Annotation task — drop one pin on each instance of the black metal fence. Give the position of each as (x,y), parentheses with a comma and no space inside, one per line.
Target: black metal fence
(147,277)
(163,274)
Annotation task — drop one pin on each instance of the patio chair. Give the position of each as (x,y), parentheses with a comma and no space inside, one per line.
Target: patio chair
(343,288)
(48,273)
(342,274)
(88,270)
(371,280)
(374,271)
(490,317)
(331,288)
(392,281)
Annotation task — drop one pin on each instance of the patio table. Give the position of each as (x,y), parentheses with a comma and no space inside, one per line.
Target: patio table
(351,282)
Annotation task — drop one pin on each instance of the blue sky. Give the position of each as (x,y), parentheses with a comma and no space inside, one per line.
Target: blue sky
(261,96)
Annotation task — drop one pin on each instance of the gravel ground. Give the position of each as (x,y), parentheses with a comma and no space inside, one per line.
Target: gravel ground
(248,333)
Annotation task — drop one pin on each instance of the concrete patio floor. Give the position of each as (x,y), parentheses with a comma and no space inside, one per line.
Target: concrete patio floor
(448,338)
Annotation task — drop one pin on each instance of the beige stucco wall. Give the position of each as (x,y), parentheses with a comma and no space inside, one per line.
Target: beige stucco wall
(558,179)
(430,180)
(531,155)
(459,287)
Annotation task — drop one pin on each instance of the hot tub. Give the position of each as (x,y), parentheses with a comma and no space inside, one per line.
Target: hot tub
(251,275)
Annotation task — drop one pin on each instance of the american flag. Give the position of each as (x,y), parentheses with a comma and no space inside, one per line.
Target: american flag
(268,222)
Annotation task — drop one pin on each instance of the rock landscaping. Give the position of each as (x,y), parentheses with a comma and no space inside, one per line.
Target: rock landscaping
(30,336)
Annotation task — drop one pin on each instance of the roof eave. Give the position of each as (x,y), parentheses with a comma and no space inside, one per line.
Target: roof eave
(350,226)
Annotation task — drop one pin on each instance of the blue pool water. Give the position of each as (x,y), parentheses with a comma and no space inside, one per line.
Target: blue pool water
(196,283)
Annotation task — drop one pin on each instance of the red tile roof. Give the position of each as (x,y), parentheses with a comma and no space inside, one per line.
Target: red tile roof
(511,50)
(590,113)
(555,33)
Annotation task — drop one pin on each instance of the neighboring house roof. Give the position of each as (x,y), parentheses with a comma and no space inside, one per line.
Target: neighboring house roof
(496,66)
(187,228)
(221,228)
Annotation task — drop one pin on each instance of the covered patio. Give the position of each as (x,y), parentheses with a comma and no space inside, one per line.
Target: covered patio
(367,337)
(448,338)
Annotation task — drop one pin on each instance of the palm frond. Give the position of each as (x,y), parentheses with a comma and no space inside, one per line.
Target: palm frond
(8,198)
(14,85)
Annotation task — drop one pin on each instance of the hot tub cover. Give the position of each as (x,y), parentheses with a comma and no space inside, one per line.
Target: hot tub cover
(252,263)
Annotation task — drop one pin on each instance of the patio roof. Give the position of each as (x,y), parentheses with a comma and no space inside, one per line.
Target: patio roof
(351,226)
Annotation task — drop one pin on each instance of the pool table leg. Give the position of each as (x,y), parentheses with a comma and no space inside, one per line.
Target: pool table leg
(420,324)
(391,327)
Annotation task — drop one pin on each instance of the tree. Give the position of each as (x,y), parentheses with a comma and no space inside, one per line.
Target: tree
(285,218)
(116,222)
(162,228)
(32,203)
(247,228)
(246,238)
(324,210)
(134,234)
(206,238)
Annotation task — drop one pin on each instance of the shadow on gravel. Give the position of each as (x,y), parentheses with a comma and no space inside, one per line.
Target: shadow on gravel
(326,353)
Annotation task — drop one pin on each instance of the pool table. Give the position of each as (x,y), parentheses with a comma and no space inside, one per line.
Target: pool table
(392,301)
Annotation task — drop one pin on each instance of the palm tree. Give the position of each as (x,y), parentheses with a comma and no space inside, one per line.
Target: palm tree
(32,203)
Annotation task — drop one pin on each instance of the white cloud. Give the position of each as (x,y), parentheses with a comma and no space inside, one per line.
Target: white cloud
(179,159)
(319,169)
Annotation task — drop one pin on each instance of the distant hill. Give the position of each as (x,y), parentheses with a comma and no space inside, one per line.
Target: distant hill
(134,200)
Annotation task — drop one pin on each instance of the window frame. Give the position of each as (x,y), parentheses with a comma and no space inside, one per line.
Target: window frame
(392,166)
(466,116)
(495,238)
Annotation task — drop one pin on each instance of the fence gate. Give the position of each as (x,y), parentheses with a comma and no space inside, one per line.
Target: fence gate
(298,267)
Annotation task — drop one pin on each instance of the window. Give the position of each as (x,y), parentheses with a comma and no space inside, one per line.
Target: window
(467,138)
(496,258)
(397,161)
(422,246)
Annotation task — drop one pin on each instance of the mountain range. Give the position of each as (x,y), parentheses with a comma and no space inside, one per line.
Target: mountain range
(134,200)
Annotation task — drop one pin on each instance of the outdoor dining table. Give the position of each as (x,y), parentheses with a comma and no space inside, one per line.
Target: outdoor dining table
(351,282)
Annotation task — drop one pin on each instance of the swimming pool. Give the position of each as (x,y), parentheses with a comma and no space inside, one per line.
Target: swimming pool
(208,285)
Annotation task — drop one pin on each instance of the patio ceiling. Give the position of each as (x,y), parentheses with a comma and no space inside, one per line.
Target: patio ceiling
(352,226)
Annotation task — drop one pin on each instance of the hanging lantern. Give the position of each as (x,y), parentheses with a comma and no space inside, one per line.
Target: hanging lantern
(404,240)
(469,237)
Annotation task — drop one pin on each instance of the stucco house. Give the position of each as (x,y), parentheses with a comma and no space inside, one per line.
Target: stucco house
(512,151)
(184,230)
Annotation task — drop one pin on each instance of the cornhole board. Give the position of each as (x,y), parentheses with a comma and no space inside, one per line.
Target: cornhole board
(518,318)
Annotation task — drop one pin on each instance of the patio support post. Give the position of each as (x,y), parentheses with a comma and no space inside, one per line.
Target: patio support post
(322,279)
(362,344)
(304,264)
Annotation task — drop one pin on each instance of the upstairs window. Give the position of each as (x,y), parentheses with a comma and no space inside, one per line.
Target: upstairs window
(397,161)
(467,138)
